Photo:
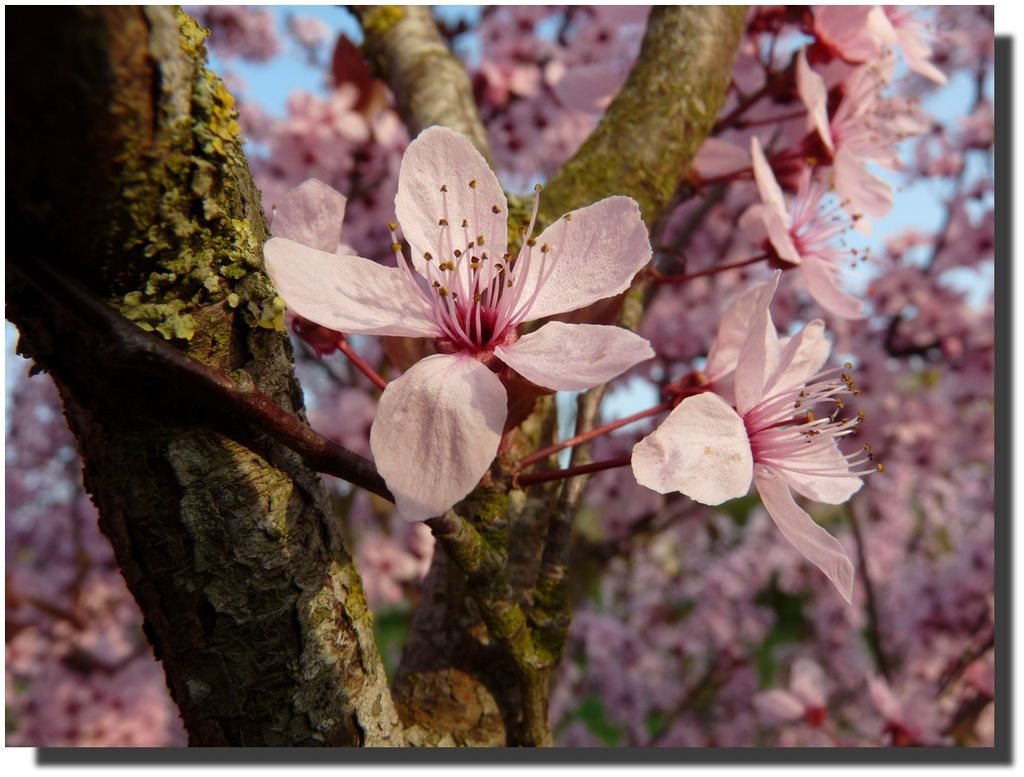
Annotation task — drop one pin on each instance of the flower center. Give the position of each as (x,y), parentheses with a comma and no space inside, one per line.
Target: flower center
(476,299)
(785,433)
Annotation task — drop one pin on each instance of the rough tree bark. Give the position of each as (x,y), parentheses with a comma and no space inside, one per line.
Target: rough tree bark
(126,181)
(129,185)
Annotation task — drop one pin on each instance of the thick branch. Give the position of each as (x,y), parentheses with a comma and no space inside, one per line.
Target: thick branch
(429,82)
(129,350)
(653,129)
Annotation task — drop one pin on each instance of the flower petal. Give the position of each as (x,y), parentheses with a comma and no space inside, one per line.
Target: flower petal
(814,96)
(814,543)
(718,158)
(311,214)
(572,357)
(801,357)
(732,333)
(822,286)
(759,356)
(767,186)
(436,432)
(440,157)
(778,706)
(595,252)
(779,236)
(347,293)
(865,192)
(807,682)
(700,450)
(829,489)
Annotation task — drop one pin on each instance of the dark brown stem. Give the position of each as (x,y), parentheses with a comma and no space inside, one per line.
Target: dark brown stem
(361,364)
(710,271)
(874,631)
(126,347)
(542,454)
(582,469)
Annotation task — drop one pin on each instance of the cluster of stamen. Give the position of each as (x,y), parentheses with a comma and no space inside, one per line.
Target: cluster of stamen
(477,300)
(786,434)
(814,228)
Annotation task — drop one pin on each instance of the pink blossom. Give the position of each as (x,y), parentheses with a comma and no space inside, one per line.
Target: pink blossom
(853,32)
(710,452)
(803,234)
(804,700)
(240,31)
(913,35)
(309,32)
(438,426)
(864,128)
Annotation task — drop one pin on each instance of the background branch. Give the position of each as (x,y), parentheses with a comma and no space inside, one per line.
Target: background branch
(429,82)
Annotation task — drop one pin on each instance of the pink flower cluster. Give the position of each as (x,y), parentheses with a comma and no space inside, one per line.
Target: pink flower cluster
(790,360)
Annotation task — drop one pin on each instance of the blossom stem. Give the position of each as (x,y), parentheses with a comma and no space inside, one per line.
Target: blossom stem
(710,271)
(543,453)
(583,469)
(361,364)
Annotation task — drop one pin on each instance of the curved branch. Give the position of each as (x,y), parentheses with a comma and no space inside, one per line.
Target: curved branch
(429,82)
(652,130)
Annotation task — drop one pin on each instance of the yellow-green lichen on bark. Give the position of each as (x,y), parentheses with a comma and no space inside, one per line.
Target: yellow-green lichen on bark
(382,18)
(190,220)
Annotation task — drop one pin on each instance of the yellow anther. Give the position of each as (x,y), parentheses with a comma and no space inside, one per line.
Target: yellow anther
(537,187)
(396,247)
(545,248)
(848,365)
(880,467)
(568,217)
(392,226)
(442,291)
(531,242)
(479,240)
(427,255)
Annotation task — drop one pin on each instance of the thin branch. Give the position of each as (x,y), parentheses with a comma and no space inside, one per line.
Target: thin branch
(583,437)
(429,82)
(710,271)
(874,631)
(581,469)
(127,347)
(361,364)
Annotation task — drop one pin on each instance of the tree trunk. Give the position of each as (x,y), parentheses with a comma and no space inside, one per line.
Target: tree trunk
(127,184)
